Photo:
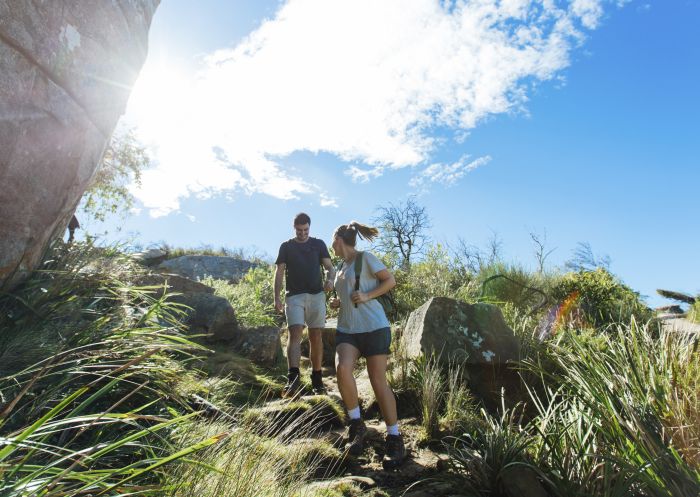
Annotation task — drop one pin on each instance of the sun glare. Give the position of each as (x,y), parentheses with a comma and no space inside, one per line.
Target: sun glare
(157,102)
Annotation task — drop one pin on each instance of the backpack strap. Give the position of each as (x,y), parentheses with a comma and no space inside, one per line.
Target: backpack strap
(358,270)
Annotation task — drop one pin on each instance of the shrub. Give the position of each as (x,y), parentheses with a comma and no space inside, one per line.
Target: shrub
(252,298)
(600,299)
(88,411)
(436,275)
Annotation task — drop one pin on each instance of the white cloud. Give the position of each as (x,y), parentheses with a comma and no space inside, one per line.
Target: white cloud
(327,201)
(364,80)
(447,174)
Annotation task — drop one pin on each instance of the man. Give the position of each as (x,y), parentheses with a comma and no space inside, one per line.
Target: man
(299,262)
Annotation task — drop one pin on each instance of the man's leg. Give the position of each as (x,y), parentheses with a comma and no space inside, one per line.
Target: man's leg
(294,346)
(316,348)
(316,319)
(295,317)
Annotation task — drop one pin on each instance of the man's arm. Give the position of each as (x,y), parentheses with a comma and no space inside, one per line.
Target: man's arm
(330,274)
(279,277)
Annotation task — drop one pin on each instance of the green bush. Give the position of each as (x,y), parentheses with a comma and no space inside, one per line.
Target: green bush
(601,298)
(502,283)
(252,298)
(437,275)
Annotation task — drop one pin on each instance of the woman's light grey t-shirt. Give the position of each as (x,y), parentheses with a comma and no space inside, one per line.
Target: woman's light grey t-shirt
(368,316)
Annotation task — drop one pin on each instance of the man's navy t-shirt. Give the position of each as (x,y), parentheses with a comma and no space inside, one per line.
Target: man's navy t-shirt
(303,265)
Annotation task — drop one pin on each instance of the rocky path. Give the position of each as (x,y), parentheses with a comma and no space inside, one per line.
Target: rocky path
(417,477)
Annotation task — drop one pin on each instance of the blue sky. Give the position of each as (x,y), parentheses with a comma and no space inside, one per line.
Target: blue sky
(586,127)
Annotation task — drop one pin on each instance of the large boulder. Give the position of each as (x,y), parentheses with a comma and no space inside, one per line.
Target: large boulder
(261,345)
(328,336)
(198,267)
(475,334)
(210,315)
(66,71)
(173,283)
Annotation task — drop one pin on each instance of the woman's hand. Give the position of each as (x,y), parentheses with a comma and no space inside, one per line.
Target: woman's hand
(359,297)
(334,303)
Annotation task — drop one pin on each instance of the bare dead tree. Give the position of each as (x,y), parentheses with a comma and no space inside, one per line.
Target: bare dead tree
(403,229)
(541,251)
(473,258)
(583,259)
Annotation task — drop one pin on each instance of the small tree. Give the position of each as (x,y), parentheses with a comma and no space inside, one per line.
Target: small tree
(583,259)
(473,259)
(403,229)
(122,164)
(542,253)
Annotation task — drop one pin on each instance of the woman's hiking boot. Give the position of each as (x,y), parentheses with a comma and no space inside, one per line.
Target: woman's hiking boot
(394,453)
(356,436)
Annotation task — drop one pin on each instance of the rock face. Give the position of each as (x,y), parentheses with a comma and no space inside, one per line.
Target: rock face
(197,267)
(261,345)
(328,336)
(174,283)
(211,315)
(66,71)
(151,257)
(475,334)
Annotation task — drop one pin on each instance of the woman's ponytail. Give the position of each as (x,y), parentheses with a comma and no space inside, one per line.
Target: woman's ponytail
(349,232)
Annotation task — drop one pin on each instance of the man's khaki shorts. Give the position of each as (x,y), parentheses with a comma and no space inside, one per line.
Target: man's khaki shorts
(306,308)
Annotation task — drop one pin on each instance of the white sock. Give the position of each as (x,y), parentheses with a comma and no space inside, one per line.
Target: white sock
(393,429)
(354,413)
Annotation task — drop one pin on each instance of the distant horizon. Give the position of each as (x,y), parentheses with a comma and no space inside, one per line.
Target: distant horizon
(578,119)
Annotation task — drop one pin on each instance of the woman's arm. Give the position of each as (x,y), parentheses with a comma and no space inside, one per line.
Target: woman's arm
(386,283)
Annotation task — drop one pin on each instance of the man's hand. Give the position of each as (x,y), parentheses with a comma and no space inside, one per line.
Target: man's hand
(328,286)
(334,303)
(359,297)
(279,305)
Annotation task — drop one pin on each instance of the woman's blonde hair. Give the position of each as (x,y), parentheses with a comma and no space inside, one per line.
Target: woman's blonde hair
(349,232)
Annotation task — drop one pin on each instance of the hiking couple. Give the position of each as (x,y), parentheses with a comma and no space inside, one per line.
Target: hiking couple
(363,329)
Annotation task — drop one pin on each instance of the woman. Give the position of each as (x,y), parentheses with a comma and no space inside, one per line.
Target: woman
(364,331)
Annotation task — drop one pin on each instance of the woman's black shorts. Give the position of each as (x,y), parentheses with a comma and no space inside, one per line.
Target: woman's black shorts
(377,342)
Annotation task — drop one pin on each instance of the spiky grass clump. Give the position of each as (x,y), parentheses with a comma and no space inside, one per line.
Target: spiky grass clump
(617,418)
(89,408)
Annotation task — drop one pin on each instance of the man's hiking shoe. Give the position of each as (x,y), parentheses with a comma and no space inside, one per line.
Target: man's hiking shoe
(395,452)
(292,388)
(356,436)
(317,385)
(319,389)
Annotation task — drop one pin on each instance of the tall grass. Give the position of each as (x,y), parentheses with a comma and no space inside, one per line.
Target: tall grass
(628,397)
(615,416)
(89,366)
(252,297)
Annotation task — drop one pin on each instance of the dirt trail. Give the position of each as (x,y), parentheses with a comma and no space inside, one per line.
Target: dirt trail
(415,478)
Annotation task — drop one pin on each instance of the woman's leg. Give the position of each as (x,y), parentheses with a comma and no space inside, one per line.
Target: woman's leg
(376,368)
(346,356)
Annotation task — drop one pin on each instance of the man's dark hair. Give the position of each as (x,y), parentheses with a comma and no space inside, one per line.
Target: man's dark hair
(301,219)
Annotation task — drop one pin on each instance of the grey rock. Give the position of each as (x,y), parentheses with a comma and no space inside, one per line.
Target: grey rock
(475,334)
(364,482)
(261,345)
(328,336)
(198,267)
(151,257)
(670,309)
(210,315)
(66,71)
(521,481)
(173,283)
